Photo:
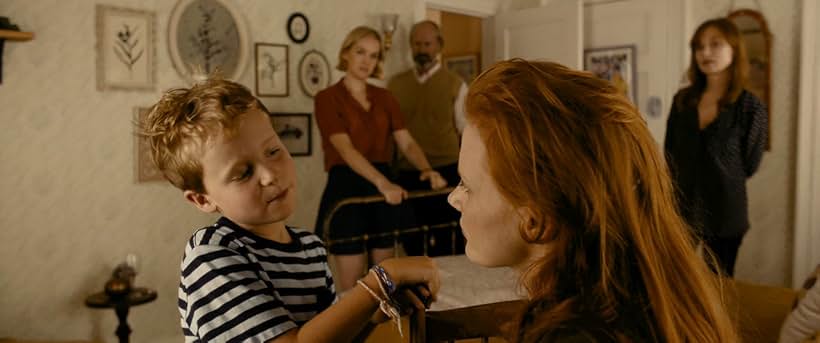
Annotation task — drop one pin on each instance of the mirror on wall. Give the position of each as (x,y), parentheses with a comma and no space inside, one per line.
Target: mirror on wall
(758,41)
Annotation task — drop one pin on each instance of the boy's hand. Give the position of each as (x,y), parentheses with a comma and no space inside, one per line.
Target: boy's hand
(412,272)
(414,298)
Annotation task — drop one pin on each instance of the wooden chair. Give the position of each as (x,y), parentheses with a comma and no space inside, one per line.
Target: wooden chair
(482,321)
(758,310)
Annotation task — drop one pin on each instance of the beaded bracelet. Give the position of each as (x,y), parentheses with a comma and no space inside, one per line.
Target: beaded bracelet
(387,284)
(388,307)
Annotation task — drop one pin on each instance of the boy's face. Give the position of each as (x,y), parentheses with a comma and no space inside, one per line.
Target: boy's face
(249,178)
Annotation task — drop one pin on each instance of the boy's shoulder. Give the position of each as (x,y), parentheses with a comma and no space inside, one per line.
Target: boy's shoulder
(216,234)
(306,237)
(224,233)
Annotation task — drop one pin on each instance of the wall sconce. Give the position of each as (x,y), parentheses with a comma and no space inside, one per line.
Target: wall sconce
(389,21)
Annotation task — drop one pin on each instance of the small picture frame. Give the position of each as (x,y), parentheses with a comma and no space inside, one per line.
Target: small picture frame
(298,28)
(294,129)
(145,169)
(465,66)
(126,52)
(314,72)
(616,64)
(271,69)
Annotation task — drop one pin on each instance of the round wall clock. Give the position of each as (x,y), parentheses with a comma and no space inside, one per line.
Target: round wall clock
(298,28)
(314,73)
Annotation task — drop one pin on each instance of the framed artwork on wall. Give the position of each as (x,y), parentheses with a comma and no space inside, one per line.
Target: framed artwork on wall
(314,72)
(205,36)
(298,28)
(272,69)
(126,52)
(145,169)
(294,129)
(616,64)
(465,66)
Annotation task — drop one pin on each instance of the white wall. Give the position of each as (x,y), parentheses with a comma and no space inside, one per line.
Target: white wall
(766,253)
(70,208)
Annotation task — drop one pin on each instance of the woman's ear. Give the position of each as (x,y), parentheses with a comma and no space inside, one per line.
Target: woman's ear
(201,201)
(532,227)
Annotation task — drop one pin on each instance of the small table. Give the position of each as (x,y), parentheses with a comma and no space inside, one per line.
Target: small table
(121,303)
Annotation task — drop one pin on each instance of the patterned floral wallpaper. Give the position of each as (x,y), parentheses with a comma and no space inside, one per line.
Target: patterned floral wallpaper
(72,209)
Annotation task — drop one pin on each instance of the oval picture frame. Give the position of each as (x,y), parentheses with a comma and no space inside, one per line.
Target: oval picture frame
(224,46)
(298,28)
(314,72)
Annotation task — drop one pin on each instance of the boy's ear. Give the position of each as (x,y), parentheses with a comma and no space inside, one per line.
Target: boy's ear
(201,201)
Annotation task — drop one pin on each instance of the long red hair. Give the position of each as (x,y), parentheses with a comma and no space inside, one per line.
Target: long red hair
(576,153)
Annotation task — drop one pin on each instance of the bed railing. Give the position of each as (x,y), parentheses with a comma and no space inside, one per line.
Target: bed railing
(425,229)
(483,321)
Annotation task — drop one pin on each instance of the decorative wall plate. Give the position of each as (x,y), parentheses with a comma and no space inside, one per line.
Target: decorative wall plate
(314,72)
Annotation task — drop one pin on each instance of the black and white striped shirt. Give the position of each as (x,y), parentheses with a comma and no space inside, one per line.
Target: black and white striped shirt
(239,287)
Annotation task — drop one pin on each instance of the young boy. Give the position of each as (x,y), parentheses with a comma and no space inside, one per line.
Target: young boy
(248,277)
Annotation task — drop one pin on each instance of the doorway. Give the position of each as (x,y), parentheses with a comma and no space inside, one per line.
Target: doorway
(561,30)
(462,36)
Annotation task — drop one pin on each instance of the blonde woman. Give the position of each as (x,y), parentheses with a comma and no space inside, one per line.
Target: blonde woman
(357,122)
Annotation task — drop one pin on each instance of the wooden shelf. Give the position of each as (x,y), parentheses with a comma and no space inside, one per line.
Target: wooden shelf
(16,35)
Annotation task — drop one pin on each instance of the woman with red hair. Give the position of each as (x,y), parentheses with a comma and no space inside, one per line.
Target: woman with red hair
(562,180)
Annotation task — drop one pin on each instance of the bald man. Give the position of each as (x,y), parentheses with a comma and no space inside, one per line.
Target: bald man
(431,99)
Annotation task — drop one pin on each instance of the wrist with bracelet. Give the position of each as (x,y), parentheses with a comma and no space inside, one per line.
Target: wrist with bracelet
(387,305)
(385,281)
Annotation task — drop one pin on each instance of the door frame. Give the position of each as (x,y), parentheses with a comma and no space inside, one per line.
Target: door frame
(474,8)
(807,178)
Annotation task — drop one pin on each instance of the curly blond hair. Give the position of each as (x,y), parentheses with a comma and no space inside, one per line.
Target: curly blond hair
(184,119)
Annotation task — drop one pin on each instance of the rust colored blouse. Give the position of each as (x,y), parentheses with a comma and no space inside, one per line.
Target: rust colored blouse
(370,131)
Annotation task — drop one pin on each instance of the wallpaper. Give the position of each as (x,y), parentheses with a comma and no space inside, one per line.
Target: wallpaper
(72,209)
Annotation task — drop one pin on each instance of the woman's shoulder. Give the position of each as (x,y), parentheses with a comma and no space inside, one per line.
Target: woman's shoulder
(688,95)
(750,100)
(330,91)
(379,91)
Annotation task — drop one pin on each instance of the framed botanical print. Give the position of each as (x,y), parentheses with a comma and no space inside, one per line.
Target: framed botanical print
(126,52)
(272,69)
(205,36)
(294,129)
(314,72)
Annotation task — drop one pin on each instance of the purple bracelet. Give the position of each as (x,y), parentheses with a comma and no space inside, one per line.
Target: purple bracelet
(384,279)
